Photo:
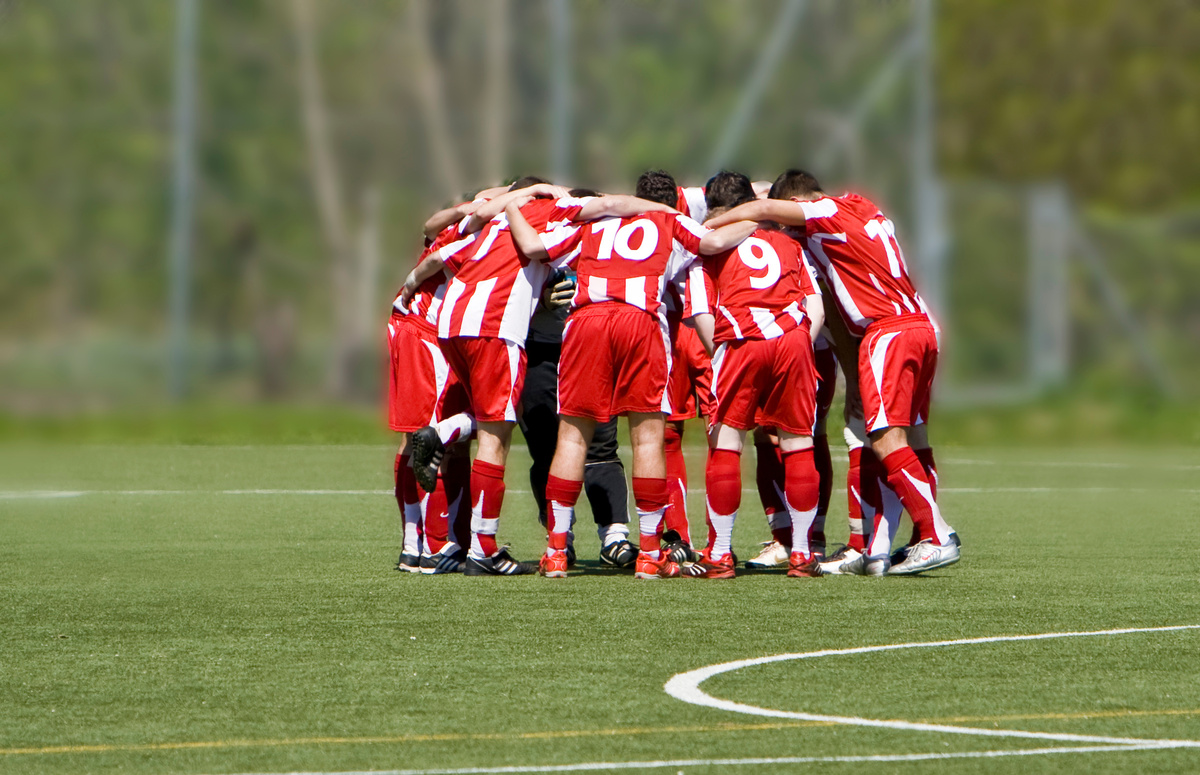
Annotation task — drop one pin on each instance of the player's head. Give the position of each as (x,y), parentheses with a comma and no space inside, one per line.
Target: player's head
(728,189)
(526,182)
(580,193)
(795,184)
(658,186)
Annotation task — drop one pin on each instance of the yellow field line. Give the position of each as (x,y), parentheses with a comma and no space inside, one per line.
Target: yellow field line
(545,735)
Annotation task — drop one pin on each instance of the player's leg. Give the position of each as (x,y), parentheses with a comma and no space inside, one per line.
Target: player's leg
(723,498)
(896,376)
(771,480)
(650,493)
(409,502)
(608,494)
(826,367)
(563,485)
(539,416)
(677,485)
(492,372)
(790,404)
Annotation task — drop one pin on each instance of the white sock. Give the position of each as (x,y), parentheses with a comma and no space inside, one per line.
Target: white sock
(723,529)
(610,534)
(455,428)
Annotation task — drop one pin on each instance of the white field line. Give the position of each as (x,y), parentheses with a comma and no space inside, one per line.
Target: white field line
(675,763)
(686,687)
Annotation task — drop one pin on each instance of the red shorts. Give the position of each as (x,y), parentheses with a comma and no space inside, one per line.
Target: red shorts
(421,387)
(770,382)
(690,384)
(827,365)
(614,361)
(896,363)
(492,373)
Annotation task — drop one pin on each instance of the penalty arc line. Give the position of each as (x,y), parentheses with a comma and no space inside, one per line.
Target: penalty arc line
(686,687)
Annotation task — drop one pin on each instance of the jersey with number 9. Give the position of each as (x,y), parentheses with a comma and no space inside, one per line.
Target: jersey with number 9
(755,290)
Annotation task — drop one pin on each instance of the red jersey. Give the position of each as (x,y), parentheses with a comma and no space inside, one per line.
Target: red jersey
(428,298)
(690,201)
(495,289)
(860,260)
(629,260)
(755,290)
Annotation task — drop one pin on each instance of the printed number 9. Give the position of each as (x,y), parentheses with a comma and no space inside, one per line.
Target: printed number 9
(757,254)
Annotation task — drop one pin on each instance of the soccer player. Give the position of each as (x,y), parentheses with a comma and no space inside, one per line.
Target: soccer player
(420,392)
(616,357)
(757,303)
(604,475)
(855,246)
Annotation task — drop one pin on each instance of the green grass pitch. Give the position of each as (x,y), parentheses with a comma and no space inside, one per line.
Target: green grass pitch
(157,617)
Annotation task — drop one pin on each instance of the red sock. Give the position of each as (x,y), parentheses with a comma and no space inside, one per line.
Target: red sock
(487,496)
(561,496)
(926,458)
(769,476)
(409,501)
(853,504)
(458,497)
(871,473)
(676,516)
(435,517)
(824,467)
(406,483)
(650,495)
(802,496)
(723,491)
(906,476)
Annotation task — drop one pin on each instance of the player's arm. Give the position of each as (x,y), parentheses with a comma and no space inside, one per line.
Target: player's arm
(493,207)
(846,347)
(726,237)
(705,324)
(619,206)
(443,218)
(526,238)
(431,265)
(783,211)
(814,308)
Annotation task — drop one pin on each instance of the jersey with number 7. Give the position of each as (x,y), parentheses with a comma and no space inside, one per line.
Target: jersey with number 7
(857,255)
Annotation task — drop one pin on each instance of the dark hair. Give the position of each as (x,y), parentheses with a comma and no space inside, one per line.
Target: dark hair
(794,183)
(658,186)
(582,192)
(526,182)
(728,189)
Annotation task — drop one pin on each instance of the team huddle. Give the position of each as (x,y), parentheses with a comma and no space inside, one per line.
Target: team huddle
(563,310)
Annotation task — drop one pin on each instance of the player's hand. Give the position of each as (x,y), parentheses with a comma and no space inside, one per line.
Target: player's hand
(555,192)
(561,294)
(407,293)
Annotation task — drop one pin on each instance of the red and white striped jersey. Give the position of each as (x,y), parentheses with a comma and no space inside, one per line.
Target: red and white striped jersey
(755,290)
(629,260)
(494,289)
(860,260)
(428,298)
(691,203)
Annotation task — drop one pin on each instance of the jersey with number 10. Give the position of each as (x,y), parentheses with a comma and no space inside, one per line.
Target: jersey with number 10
(628,260)
(857,254)
(755,290)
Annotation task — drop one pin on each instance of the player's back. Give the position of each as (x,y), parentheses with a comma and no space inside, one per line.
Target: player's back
(756,290)
(495,288)
(629,260)
(856,250)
